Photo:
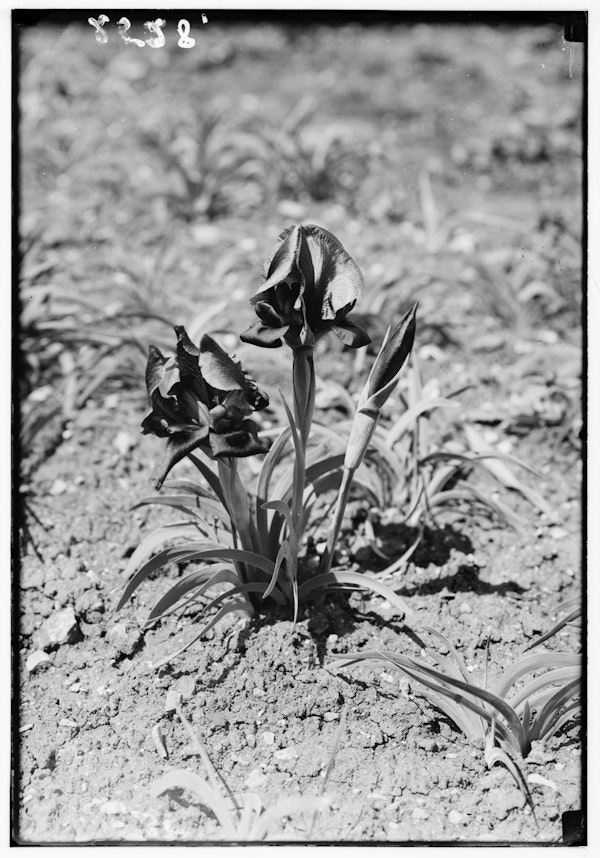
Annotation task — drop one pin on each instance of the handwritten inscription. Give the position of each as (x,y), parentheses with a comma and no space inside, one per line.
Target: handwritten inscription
(155,28)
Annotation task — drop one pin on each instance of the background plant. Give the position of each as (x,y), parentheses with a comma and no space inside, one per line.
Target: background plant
(529,702)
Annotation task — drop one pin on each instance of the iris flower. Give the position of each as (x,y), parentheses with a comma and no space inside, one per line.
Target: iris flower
(311,284)
(208,408)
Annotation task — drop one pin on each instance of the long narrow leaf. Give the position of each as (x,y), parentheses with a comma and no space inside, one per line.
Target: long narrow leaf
(201,580)
(210,798)
(353,580)
(231,607)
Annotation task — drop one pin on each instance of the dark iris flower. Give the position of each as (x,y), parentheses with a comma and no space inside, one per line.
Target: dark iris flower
(208,408)
(311,284)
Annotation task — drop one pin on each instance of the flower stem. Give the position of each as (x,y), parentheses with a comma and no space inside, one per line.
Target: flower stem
(304,406)
(304,391)
(338,515)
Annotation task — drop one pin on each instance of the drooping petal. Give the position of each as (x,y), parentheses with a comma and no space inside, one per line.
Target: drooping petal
(261,335)
(242,442)
(176,447)
(337,278)
(268,315)
(350,333)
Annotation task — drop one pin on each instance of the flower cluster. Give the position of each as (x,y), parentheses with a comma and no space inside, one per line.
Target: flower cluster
(208,408)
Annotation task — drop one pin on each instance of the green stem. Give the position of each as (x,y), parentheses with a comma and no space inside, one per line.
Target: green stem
(304,406)
(338,515)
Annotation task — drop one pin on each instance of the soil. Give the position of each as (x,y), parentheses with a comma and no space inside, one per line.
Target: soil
(96,724)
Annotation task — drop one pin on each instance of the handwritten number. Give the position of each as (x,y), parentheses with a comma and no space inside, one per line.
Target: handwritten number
(155,27)
(124,24)
(183,28)
(98,24)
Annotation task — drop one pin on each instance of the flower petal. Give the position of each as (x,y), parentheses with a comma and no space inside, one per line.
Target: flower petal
(224,373)
(260,335)
(268,315)
(282,258)
(189,369)
(218,368)
(176,448)
(242,442)
(337,278)
(351,334)
(155,369)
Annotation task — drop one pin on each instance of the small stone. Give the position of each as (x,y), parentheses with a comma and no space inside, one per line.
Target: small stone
(37,660)
(58,487)
(419,814)
(60,627)
(159,741)
(112,808)
(250,739)
(25,728)
(465,609)
(256,779)
(65,722)
(286,754)
(173,700)
(331,716)
(258,692)
(542,781)
(124,637)
(558,532)
(455,818)
(124,442)
(268,738)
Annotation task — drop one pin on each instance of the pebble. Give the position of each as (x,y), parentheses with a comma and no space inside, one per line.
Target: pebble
(256,779)
(286,754)
(250,740)
(455,818)
(124,442)
(419,814)
(60,628)
(113,807)
(37,660)
(558,532)
(331,716)
(159,741)
(268,738)
(58,487)
(542,781)
(124,637)
(172,701)
(65,722)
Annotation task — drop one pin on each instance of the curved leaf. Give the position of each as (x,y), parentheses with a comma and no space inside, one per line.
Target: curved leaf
(353,580)
(200,580)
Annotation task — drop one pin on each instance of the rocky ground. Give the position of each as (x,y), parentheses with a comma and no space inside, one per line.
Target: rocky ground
(470,201)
